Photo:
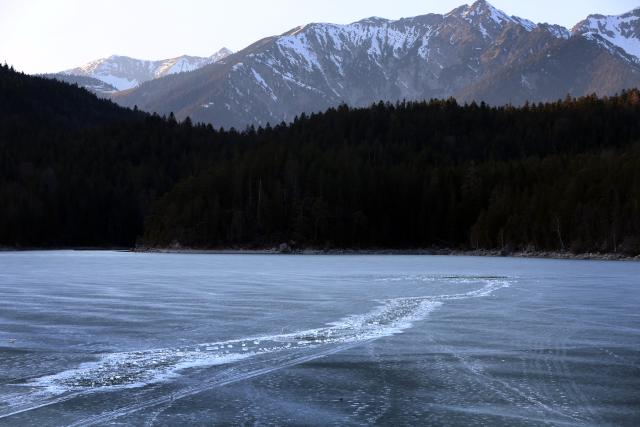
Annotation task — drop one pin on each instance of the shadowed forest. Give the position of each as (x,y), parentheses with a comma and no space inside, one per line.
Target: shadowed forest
(78,171)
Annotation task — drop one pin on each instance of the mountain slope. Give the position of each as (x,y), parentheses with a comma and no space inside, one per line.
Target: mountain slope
(556,176)
(463,53)
(124,73)
(551,74)
(27,101)
(96,86)
(76,170)
(622,31)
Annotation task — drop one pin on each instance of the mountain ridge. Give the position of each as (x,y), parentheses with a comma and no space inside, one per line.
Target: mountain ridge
(459,54)
(622,31)
(124,72)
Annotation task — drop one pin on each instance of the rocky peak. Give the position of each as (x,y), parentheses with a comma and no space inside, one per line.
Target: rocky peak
(221,54)
(487,19)
(123,72)
(485,10)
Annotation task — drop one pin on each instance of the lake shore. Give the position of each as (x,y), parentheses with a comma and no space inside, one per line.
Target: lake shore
(433,252)
(595,256)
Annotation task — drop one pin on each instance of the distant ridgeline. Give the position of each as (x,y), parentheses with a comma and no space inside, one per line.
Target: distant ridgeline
(79,171)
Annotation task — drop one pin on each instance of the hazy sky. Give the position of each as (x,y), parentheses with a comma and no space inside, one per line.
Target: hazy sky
(52,35)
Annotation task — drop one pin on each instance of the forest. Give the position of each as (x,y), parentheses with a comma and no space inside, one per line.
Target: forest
(78,171)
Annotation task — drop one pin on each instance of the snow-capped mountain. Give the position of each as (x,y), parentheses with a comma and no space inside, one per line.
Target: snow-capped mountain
(220,55)
(468,53)
(622,31)
(125,73)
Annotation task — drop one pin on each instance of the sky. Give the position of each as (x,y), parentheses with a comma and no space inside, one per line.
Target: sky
(38,36)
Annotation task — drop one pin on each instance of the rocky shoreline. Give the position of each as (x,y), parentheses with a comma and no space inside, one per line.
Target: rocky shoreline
(286,250)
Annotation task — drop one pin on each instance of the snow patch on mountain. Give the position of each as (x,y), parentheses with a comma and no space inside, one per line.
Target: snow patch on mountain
(525,23)
(482,8)
(621,30)
(120,83)
(263,84)
(482,13)
(124,72)
(303,52)
(557,31)
(181,64)
(220,55)
(613,49)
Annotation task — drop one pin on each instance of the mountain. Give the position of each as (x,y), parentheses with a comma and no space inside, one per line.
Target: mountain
(580,65)
(620,31)
(601,56)
(475,52)
(100,88)
(124,73)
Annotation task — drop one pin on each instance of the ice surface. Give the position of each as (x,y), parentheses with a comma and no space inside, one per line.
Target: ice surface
(168,339)
(140,368)
(137,369)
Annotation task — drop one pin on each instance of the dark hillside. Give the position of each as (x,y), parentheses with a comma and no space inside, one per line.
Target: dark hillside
(79,171)
(561,176)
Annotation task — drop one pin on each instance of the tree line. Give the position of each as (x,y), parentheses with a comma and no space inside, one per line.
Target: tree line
(78,171)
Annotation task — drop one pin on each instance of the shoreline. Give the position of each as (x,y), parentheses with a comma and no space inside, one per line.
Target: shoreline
(590,256)
(399,252)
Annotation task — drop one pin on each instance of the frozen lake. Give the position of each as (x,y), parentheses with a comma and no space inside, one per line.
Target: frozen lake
(111,338)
